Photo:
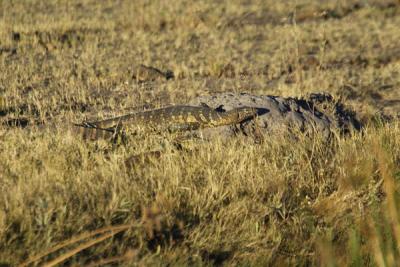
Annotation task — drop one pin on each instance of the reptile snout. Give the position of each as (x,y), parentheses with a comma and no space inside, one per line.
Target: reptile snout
(245,113)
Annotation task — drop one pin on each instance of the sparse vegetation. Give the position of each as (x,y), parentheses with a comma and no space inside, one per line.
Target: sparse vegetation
(234,202)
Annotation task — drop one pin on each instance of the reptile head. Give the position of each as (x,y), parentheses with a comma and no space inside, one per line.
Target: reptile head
(245,113)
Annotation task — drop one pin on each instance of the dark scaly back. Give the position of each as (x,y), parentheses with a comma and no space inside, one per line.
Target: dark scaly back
(168,115)
(173,118)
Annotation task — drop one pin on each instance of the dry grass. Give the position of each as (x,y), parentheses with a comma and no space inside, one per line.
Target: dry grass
(281,202)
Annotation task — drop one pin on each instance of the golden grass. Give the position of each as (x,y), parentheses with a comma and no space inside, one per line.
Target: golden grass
(234,202)
(113,230)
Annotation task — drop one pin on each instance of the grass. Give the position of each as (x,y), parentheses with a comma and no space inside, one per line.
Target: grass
(233,202)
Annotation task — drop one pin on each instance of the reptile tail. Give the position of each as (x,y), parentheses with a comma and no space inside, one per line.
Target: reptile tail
(89,131)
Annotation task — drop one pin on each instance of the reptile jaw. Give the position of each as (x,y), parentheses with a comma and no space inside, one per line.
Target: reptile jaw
(246,113)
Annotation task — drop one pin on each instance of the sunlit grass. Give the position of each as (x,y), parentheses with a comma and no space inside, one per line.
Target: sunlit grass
(283,201)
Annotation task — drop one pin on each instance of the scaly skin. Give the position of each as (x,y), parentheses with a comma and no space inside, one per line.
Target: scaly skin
(172,119)
(93,133)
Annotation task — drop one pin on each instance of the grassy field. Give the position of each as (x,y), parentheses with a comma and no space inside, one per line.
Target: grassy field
(230,202)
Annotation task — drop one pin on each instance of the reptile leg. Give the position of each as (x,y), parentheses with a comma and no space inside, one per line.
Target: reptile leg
(258,134)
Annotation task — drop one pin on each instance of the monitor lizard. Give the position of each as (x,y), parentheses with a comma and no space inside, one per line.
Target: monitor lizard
(171,119)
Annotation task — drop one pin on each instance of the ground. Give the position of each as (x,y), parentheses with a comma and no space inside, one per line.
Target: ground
(277,202)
